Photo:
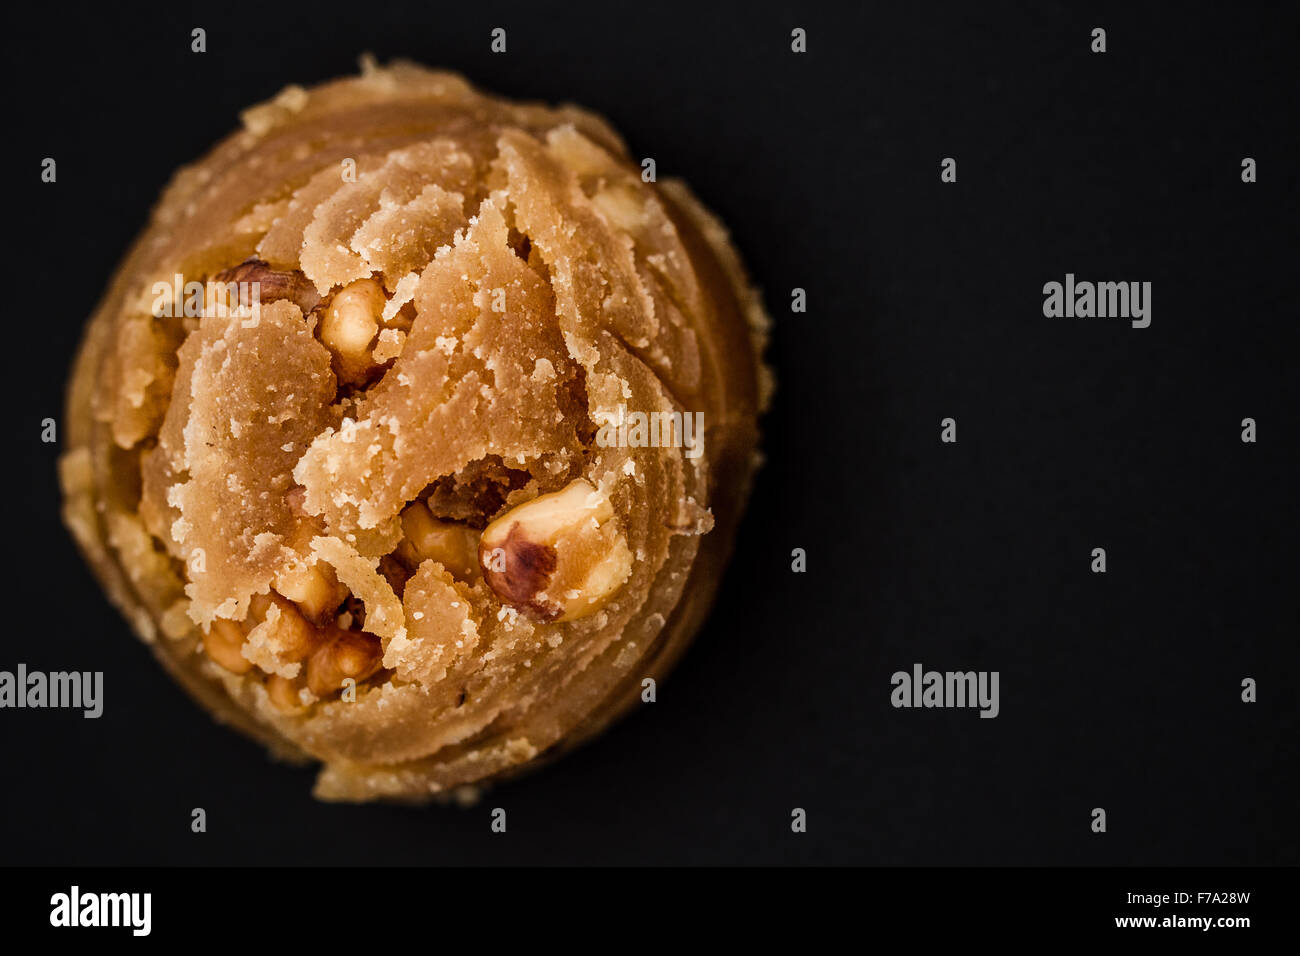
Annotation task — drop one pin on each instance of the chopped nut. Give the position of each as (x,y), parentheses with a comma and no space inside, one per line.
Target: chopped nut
(558,557)
(284,692)
(452,545)
(349,324)
(354,654)
(273,636)
(271,284)
(222,641)
(294,637)
(315,588)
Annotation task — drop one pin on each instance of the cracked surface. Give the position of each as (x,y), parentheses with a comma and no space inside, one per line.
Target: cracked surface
(456,290)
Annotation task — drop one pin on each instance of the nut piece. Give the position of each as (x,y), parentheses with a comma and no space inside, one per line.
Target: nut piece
(452,545)
(291,634)
(271,285)
(354,654)
(349,324)
(222,641)
(315,588)
(284,692)
(558,557)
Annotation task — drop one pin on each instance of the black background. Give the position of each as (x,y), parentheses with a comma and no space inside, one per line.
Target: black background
(1119,690)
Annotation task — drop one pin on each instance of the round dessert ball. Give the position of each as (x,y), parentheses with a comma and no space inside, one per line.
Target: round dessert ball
(413,432)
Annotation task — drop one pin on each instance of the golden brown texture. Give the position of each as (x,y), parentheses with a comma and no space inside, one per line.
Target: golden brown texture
(367,517)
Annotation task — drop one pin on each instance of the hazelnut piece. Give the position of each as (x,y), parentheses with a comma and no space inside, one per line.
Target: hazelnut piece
(349,324)
(558,557)
(272,285)
(452,545)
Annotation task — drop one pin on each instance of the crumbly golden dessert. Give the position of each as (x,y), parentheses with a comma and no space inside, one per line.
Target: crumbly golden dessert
(382,435)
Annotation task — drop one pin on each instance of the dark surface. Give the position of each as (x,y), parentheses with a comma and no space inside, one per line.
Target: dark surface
(1118,691)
